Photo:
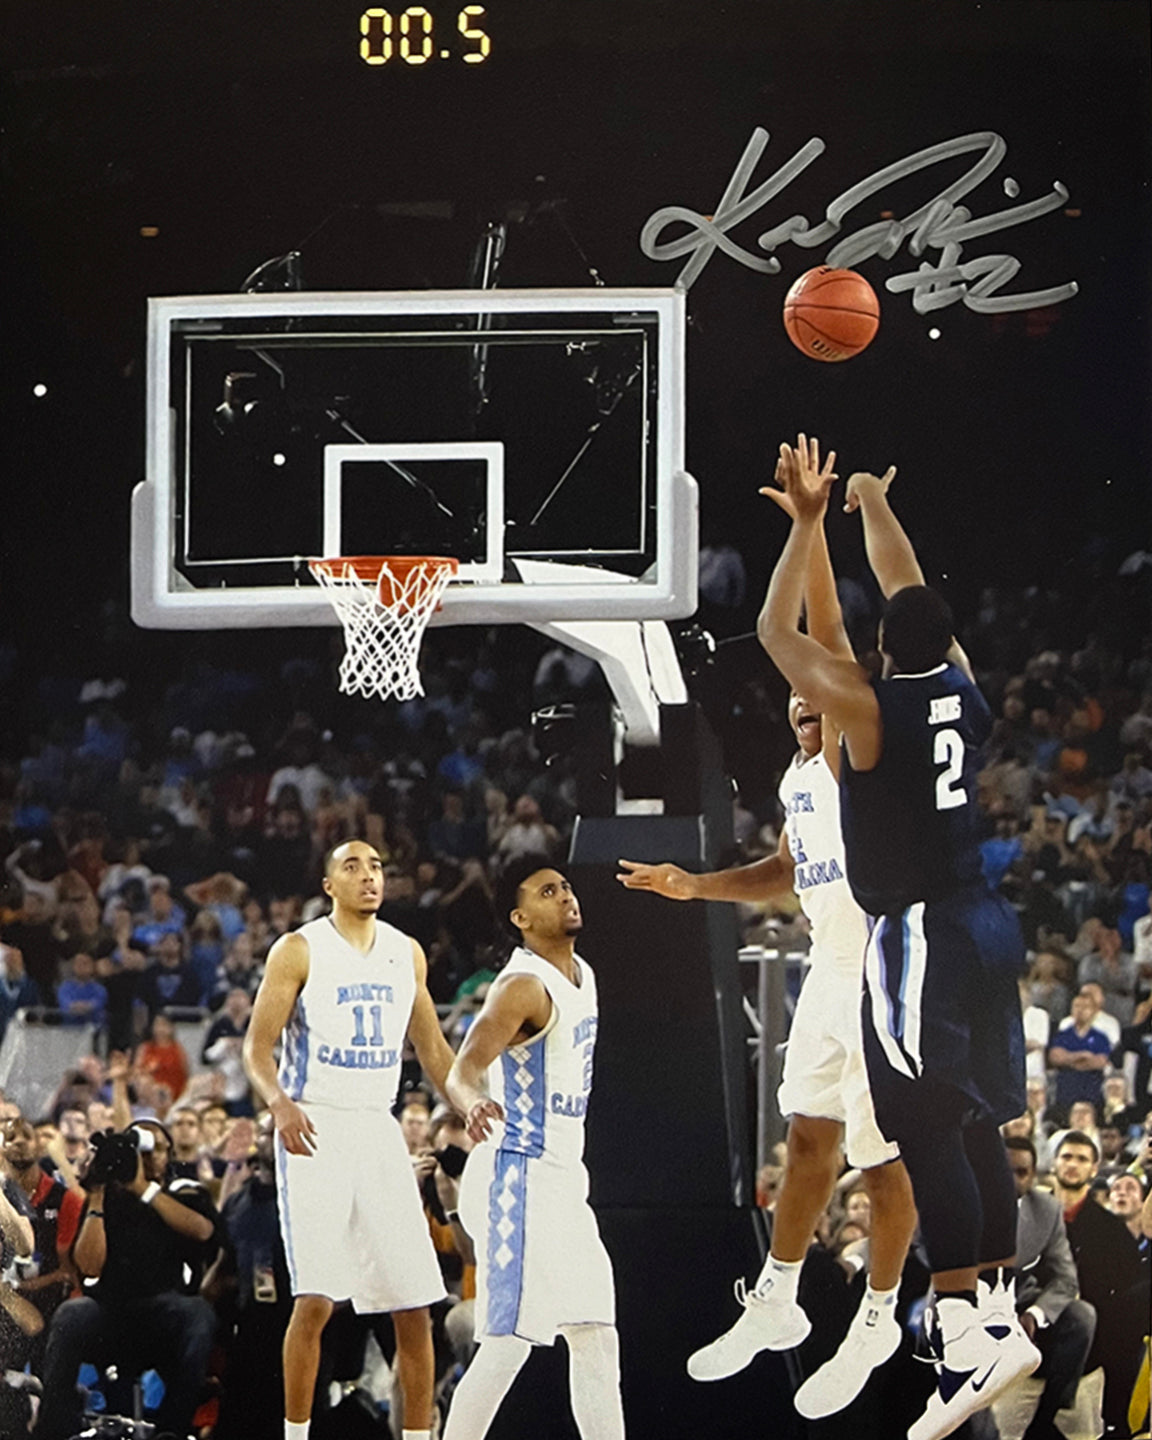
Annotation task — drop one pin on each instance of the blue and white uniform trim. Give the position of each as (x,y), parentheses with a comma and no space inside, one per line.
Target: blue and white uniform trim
(506,1210)
(285,1213)
(294,1060)
(525,1093)
(894,967)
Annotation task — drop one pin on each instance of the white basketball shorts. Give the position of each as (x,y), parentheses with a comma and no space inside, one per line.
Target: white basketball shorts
(540,1262)
(824,1071)
(351,1216)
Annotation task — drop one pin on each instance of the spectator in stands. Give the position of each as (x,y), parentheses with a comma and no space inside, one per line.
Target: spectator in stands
(190,1159)
(18,991)
(300,773)
(1082,1117)
(138,1238)
(1126,1199)
(1142,946)
(54,1212)
(221,895)
(1078,1054)
(528,833)
(31,933)
(74,1133)
(223,1049)
(1114,970)
(81,997)
(1111,1140)
(252,1292)
(168,981)
(1134,1056)
(415,1117)
(122,974)
(496,816)
(401,908)
(215,1120)
(162,1058)
(205,952)
(1100,1017)
(1108,1267)
(162,917)
(453,835)
(284,857)
(1047,985)
(1037,1033)
(1059,1323)
(240,970)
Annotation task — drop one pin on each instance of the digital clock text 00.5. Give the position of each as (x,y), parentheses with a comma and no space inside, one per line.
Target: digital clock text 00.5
(411,36)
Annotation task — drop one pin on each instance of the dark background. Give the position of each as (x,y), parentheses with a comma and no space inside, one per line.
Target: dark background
(240,130)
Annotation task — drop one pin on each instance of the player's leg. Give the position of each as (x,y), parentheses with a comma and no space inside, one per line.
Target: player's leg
(772,1318)
(415,1367)
(486,1382)
(594,1380)
(874,1334)
(310,1314)
(980,1351)
(893,1223)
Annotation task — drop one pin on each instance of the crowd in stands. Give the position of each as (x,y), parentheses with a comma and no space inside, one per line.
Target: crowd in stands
(149,864)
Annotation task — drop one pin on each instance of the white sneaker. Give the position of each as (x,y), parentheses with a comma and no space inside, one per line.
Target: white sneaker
(768,1323)
(976,1368)
(872,1338)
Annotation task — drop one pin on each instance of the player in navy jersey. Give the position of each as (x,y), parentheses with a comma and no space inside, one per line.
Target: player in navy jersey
(941,1016)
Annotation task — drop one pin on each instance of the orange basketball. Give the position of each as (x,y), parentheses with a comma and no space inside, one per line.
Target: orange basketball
(831,314)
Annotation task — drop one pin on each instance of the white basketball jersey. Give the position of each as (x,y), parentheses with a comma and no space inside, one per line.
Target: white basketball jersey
(543,1084)
(344,1040)
(811,800)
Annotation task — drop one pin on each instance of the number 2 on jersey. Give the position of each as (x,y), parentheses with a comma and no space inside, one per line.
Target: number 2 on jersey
(948,750)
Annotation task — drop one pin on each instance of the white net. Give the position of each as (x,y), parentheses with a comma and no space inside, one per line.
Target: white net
(384,606)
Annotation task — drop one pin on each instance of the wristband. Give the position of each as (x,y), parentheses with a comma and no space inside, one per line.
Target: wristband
(94,1215)
(151,1190)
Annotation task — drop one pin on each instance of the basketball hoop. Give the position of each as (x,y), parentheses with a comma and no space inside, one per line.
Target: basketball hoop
(384,603)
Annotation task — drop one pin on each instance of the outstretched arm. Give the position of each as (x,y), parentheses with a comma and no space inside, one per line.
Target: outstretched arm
(834,684)
(762,880)
(890,551)
(821,603)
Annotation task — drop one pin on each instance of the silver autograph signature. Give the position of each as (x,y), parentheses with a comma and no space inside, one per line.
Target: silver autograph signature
(941,224)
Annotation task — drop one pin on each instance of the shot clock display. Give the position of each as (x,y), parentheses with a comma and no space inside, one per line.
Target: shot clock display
(415,36)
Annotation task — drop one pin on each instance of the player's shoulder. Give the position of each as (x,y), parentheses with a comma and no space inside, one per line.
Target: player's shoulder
(291,953)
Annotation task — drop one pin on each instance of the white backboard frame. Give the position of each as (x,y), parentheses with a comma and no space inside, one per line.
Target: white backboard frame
(550,591)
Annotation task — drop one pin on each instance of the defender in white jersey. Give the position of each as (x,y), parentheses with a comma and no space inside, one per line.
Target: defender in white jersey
(522,1079)
(343,993)
(824,1089)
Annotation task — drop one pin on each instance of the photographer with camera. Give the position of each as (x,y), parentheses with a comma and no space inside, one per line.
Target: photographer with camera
(140,1238)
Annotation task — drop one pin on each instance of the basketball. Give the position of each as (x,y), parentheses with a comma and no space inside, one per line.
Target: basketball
(831,314)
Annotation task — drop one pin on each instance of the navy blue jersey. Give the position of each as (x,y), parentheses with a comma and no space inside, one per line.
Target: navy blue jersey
(911,824)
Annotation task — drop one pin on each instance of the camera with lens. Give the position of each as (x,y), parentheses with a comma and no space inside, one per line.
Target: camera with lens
(115,1156)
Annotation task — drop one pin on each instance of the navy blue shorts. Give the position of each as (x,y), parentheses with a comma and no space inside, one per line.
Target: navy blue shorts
(943,1036)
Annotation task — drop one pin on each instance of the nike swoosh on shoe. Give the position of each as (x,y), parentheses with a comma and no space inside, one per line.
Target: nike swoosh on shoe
(953,1380)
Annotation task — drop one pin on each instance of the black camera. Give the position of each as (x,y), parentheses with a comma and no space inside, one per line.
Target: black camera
(115,1156)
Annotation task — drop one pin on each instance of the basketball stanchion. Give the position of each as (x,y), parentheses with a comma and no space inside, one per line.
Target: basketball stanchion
(384,603)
